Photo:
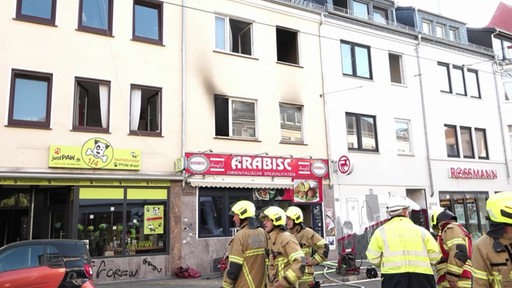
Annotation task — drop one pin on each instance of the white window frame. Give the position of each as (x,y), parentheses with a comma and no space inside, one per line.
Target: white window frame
(226,35)
(403,137)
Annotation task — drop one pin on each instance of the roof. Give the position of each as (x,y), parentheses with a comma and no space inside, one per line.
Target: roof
(501,18)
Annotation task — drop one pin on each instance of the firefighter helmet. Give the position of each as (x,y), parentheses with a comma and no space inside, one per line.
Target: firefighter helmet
(244,209)
(440,214)
(274,213)
(295,214)
(499,207)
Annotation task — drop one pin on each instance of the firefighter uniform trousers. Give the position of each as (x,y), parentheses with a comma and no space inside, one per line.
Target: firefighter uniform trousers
(314,248)
(246,267)
(491,260)
(285,260)
(455,263)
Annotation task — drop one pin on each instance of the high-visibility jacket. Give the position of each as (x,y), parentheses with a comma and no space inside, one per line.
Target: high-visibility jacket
(246,256)
(315,249)
(492,268)
(455,264)
(400,246)
(285,260)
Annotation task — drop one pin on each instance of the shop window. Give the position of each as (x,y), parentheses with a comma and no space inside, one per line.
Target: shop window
(37,11)
(215,203)
(109,233)
(234,117)
(287,45)
(95,16)
(469,207)
(361,132)
(91,110)
(291,123)
(233,35)
(395,68)
(355,60)
(146,112)
(147,21)
(403,136)
(34,88)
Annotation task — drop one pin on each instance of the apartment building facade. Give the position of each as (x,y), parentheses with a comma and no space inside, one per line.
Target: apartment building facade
(134,125)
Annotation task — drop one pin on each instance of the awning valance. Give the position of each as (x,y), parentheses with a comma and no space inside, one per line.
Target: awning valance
(240,182)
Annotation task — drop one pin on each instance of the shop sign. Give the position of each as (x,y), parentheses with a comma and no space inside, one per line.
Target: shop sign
(246,165)
(472,173)
(88,182)
(344,165)
(153,219)
(95,153)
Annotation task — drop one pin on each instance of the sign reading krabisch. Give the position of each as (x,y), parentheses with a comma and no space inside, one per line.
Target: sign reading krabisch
(96,153)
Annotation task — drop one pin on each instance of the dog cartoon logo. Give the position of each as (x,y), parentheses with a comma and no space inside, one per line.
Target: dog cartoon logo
(97,152)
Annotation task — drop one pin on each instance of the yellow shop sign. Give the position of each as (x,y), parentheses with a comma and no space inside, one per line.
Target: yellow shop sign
(96,153)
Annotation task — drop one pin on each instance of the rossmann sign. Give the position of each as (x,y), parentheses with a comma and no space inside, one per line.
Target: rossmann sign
(472,173)
(246,165)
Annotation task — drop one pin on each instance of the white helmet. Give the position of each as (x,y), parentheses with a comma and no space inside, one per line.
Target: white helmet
(397,203)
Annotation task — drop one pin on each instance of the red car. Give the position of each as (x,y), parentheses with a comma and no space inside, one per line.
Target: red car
(48,263)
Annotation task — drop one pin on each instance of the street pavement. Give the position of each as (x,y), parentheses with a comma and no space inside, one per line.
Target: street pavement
(324,274)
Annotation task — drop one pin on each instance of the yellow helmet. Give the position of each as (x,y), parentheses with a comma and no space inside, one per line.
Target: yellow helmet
(244,209)
(499,207)
(274,213)
(295,214)
(440,214)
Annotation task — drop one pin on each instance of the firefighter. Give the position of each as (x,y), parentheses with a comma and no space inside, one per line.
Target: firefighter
(313,245)
(246,255)
(492,253)
(454,268)
(285,260)
(404,251)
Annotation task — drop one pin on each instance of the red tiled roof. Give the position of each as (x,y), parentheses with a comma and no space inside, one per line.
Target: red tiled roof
(502,18)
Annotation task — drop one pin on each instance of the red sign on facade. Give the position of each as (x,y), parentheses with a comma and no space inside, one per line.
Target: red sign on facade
(344,165)
(246,165)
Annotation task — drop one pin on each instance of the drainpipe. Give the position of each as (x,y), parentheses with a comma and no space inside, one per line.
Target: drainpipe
(326,119)
(498,100)
(183,79)
(424,114)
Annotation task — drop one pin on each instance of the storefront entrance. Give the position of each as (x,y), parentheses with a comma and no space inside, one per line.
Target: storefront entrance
(469,207)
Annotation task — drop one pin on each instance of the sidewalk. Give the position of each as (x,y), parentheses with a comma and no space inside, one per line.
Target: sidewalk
(327,277)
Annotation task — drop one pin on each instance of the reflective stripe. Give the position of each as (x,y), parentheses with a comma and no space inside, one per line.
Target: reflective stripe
(480,274)
(295,255)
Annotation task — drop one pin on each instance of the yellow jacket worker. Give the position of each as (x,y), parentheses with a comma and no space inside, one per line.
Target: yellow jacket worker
(285,259)
(404,251)
(492,253)
(313,245)
(246,255)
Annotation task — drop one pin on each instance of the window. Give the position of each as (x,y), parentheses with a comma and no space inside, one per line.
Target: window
(501,47)
(91,109)
(507,85)
(123,221)
(234,117)
(426,27)
(146,112)
(452,145)
(472,83)
(356,60)
(287,46)
(458,80)
(147,21)
(395,68)
(95,16)
(233,35)
(403,136)
(37,11)
(466,142)
(361,132)
(440,31)
(213,220)
(481,143)
(360,9)
(444,77)
(453,34)
(380,15)
(30,99)
(291,123)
